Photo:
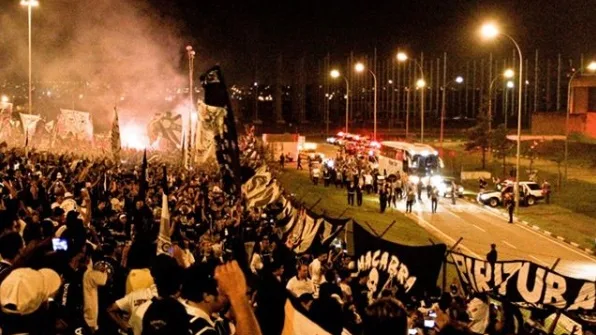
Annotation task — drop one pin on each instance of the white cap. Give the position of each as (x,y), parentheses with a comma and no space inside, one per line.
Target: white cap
(68,195)
(25,290)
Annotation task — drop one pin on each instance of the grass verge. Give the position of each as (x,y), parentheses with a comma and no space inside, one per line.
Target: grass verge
(333,202)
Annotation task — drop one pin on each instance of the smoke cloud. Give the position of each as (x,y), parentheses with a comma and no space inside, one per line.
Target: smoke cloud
(124,52)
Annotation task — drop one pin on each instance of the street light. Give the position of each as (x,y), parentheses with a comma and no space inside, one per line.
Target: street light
(458,80)
(508,74)
(359,67)
(592,68)
(420,83)
(30,4)
(336,74)
(491,31)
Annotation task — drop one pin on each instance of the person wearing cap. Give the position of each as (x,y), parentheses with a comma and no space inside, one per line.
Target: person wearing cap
(24,298)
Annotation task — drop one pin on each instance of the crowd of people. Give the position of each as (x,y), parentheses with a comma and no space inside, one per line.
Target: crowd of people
(357,175)
(79,247)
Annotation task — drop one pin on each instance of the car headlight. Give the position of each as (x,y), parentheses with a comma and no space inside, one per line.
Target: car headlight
(461,189)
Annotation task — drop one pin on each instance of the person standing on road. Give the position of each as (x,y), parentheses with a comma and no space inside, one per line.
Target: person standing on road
(326,176)
(491,258)
(359,195)
(419,189)
(546,191)
(429,190)
(410,198)
(351,193)
(510,206)
(383,199)
(282,160)
(434,199)
(453,193)
(299,163)
(398,188)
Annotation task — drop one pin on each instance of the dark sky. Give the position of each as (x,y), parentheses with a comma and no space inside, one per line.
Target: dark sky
(262,28)
(242,34)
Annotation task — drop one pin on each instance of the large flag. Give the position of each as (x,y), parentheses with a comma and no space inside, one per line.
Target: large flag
(166,227)
(410,270)
(76,123)
(184,153)
(220,116)
(526,283)
(143,178)
(29,122)
(115,137)
(166,127)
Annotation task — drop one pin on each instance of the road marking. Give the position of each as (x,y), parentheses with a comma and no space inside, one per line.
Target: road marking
(546,238)
(539,260)
(509,244)
(475,226)
(453,241)
(592,259)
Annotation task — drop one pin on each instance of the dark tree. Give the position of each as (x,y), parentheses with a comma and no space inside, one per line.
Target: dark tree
(479,137)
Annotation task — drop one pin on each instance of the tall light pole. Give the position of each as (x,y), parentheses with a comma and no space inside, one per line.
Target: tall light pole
(191,59)
(592,68)
(336,74)
(421,84)
(458,80)
(509,73)
(359,67)
(490,31)
(30,4)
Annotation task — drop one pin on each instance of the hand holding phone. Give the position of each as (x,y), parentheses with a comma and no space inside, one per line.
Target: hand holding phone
(59,244)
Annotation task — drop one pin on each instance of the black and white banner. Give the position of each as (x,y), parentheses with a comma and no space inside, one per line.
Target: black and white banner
(223,121)
(524,282)
(391,266)
(261,189)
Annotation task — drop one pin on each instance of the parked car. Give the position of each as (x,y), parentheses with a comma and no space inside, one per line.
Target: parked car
(529,193)
(445,186)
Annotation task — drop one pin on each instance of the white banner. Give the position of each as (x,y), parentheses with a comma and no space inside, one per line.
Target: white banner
(29,122)
(75,123)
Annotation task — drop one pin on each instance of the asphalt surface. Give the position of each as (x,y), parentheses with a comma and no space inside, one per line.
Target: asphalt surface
(480,227)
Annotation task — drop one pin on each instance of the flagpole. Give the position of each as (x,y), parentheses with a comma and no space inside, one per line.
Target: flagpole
(191,57)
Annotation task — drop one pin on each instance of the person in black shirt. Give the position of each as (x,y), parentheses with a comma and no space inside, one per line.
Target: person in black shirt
(382,199)
(351,193)
(491,258)
(11,245)
(359,195)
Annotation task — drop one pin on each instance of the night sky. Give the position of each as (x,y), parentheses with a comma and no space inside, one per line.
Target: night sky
(244,35)
(259,29)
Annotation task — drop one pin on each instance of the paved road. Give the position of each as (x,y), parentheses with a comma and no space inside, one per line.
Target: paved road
(480,226)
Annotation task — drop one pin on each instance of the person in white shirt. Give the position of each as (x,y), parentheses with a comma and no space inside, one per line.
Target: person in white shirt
(92,279)
(316,270)
(300,283)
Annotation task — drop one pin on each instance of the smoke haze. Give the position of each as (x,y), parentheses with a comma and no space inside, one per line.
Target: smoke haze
(125,51)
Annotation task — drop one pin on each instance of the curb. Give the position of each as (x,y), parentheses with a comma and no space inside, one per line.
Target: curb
(536,228)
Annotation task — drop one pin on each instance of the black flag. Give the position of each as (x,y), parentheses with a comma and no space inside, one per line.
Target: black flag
(220,112)
(143,187)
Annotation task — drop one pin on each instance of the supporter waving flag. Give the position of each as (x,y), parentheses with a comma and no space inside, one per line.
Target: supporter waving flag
(115,137)
(221,118)
(166,227)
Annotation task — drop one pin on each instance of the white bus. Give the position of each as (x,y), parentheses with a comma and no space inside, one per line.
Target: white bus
(417,161)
